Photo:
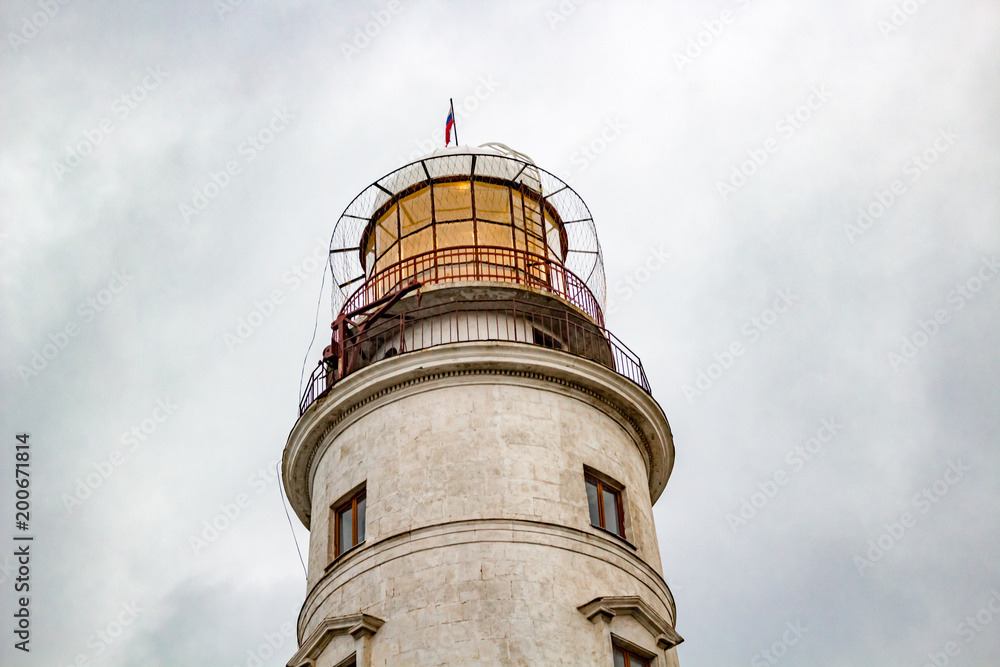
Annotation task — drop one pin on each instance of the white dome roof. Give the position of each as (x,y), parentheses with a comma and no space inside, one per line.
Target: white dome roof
(457,161)
(489,161)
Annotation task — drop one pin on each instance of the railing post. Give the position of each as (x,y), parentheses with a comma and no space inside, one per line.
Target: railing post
(342,341)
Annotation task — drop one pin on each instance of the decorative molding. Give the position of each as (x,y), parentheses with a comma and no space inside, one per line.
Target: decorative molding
(606,608)
(589,543)
(358,626)
(636,411)
(484,371)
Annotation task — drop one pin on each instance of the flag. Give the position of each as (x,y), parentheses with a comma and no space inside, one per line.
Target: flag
(448,124)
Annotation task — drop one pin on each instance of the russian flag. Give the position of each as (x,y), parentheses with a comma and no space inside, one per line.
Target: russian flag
(448,124)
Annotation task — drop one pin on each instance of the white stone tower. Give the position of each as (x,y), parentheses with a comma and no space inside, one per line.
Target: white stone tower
(476,456)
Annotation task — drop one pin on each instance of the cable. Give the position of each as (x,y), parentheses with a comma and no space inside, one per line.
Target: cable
(289,517)
(305,360)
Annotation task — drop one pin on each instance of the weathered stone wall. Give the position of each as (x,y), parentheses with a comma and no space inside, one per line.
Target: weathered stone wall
(488,593)
(477,450)
(479,547)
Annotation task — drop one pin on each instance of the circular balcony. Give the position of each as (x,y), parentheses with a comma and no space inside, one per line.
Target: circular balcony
(407,329)
(483,265)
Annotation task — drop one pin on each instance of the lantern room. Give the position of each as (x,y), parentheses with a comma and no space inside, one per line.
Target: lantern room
(485,214)
(466,245)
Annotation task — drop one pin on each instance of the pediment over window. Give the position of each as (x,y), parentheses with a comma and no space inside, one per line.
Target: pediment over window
(358,626)
(606,608)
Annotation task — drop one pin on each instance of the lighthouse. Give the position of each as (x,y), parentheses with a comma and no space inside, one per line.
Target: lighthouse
(477,456)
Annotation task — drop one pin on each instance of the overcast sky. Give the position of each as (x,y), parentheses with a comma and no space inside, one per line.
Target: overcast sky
(813,185)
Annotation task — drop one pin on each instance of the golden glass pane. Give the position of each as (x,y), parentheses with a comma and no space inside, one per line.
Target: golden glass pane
(452,234)
(491,234)
(385,232)
(416,211)
(386,260)
(533,216)
(452,201)
(518,221)
(492,202)
(418,243)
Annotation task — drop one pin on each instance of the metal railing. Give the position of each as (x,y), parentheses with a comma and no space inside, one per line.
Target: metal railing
(474,321)
(481,263)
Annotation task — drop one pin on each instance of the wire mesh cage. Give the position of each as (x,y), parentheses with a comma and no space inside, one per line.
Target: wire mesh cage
(465,197)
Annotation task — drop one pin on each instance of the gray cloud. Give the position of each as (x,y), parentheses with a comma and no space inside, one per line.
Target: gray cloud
(656,185)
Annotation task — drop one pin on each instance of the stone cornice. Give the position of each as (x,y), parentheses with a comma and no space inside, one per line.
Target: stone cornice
(473,363)
(593,544)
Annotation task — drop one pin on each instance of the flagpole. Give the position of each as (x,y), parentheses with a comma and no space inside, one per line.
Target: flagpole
(454,118)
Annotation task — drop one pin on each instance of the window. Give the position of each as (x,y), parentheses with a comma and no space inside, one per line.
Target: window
(605,503)
(625,658)
(349,661)
(545,340)
(349,523)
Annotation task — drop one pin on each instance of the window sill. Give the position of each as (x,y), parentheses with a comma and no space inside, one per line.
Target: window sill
(342,556)
(608,533)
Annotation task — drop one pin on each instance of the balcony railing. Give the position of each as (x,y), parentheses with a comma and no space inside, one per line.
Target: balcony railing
(474,321)
(480,263)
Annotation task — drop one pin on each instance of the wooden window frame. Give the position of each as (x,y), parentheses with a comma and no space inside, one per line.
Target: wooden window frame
(601,484)
(352,505)
(349,661)
(629,654)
